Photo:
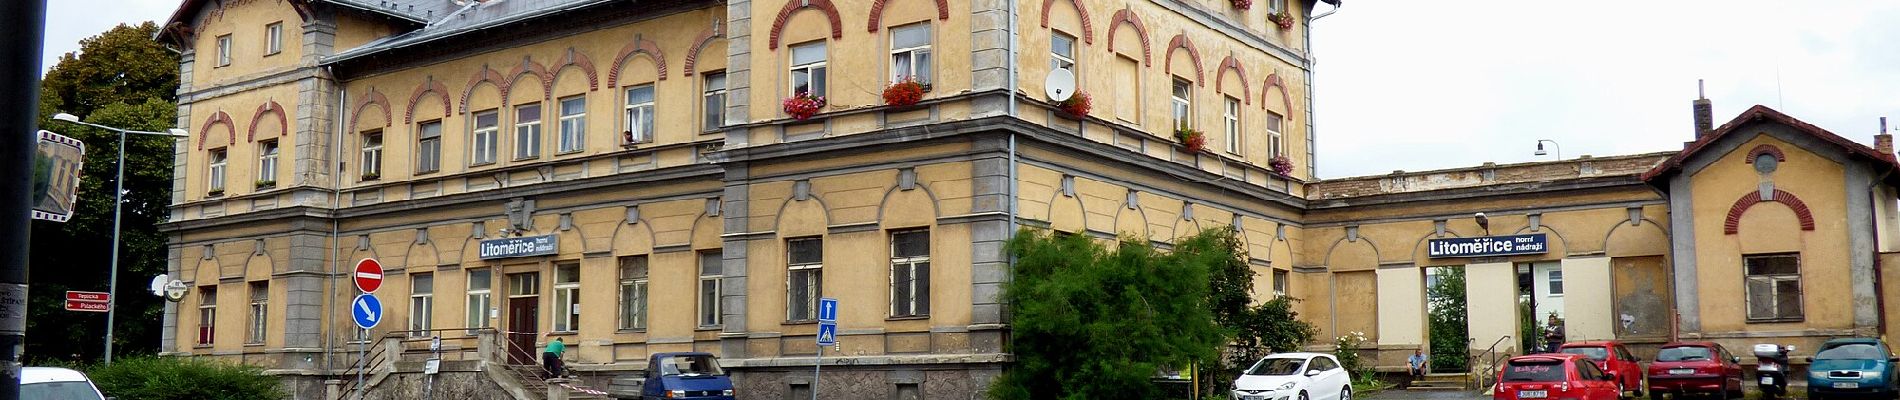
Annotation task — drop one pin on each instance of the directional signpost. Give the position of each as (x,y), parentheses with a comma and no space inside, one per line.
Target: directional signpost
(366,310)
(88,301)
(827,336)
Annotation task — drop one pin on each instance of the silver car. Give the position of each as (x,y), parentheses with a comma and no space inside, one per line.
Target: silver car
(44,383)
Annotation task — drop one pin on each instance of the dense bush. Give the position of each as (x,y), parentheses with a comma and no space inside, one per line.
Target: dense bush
(177,378)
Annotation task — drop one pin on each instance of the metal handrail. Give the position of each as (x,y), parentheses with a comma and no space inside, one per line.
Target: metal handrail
(1490,369)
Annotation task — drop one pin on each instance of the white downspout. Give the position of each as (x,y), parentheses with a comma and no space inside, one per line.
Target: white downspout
(1312,129)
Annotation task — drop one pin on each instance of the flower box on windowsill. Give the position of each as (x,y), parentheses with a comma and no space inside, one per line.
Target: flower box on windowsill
(1193,139)
(803,106)
(214,193)
(905,94)
(371,177)
(1281,165)
(1077,106)
(266,184)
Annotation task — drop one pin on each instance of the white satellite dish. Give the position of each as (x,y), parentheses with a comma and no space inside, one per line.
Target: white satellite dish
(158,284)
(1060,84)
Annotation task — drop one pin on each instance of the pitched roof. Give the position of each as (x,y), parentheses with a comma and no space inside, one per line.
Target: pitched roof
(1763,113)
(449,22)
(412,11)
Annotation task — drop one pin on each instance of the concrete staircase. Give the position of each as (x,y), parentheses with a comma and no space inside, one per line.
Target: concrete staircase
(1442,382)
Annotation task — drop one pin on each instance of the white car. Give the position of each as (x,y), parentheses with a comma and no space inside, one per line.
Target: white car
(1294,376)
(43,383)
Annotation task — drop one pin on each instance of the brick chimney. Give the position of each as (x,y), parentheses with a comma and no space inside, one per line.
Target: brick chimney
(1883,141)
(1704,112)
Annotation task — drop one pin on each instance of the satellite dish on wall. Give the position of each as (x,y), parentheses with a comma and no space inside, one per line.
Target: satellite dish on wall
(1060,84)
(158,284)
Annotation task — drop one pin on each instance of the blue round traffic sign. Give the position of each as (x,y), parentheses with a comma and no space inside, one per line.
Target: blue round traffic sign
(366,310)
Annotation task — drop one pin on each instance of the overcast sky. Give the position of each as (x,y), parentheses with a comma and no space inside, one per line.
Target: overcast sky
(1417,85)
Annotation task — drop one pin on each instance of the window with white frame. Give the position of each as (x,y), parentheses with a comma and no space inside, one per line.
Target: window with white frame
(1276,6)
(1062,52)
(429,146)
(528,131)
(573,124)
(1280,282)
(266,163)
(1232,119)
(910,53)
(567,293)
(808,68)
(260,312)
(372,155)
(1182,103)
(910,273)
(805,278)
(633,293)
(483,134)
(421,304)
(224,50)
(215,173)
(1556,278)
(274,38)
(479,291)
(1273,134)
(207,314)
(711,267)
(1773,287)
(639,114)
(715,96)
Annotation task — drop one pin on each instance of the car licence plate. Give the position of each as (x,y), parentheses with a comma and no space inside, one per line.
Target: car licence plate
(1846,385)
(1767,380)
(1253,397)
(1532,394)
(1681,371)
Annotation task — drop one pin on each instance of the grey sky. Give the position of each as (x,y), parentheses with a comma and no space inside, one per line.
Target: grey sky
(1418,85)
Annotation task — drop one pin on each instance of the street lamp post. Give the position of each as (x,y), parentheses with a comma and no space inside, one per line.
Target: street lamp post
(118,203)
(1553,145)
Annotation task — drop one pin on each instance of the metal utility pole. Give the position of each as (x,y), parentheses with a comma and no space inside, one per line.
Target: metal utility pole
(22,29)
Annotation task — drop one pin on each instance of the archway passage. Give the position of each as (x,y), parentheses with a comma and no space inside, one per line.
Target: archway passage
(1447,321)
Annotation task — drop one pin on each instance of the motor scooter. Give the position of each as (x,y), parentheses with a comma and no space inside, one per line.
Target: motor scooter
(1771,369)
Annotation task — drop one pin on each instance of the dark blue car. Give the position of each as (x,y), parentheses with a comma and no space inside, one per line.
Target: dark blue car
(1852,367)
(686,376)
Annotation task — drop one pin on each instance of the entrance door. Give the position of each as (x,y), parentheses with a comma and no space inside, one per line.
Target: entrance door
(524,314)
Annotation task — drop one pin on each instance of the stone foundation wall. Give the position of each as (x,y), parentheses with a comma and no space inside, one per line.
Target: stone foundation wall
(957,382)
(458,385)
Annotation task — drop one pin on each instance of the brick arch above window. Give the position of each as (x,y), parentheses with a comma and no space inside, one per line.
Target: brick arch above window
(1088,28)
(1732,225)
(1768,149)
(1128,17)
(1274,81)
(792,7)
(1181,41)
(269,107)
(373,98)
(486,75)
(1220,77)
(532,69)
(219,118)
(639,45)
(428,86)
(877,14)
(575,59)
(704,39)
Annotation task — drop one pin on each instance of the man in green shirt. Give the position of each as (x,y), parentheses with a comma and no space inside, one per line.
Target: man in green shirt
(551,358)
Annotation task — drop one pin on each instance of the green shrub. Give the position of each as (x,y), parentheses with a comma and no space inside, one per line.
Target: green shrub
(177,378)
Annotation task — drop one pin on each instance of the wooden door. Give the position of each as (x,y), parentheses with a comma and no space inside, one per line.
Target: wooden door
(523,312)
(1644,302)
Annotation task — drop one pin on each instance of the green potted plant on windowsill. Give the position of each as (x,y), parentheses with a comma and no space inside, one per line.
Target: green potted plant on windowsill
(1077,106)
(1193,139)
(370,176)
(215,193)
(266,184)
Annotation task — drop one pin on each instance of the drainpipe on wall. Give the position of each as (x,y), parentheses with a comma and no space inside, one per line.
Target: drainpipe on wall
(336,203)
(1880,297)
(1312,129)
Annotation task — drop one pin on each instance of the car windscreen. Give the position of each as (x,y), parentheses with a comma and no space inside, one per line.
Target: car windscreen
(1543,370)
(690,366)
(1277,366)
(59,391)
(1684,353)
(1593,352)
(1851,352)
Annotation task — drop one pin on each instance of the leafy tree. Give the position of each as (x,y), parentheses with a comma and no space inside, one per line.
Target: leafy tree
(1271,327)
(1448,321)
(175,378)
(121,78)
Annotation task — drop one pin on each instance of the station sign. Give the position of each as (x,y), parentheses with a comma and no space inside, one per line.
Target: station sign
(520,247)
(1488,246)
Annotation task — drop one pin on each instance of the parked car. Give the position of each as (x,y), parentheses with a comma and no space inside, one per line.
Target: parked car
(1695,368)
(1852,367)
(1554,376)
(1613,358)
(677,376)
(1294,376)
(43,383)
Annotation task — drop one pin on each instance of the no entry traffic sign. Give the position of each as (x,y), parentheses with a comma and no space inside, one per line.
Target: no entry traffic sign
(369,275)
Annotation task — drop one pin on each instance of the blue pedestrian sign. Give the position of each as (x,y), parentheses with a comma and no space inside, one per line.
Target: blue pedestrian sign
(827,334)
(827,309)
(366,310)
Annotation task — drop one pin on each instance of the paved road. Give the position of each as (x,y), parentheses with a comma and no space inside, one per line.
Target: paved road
(1432,395)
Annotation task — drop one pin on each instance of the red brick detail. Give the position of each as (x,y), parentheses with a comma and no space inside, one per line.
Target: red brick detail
(1732,224)
(576,59)
(1088,28)
(488,75)
(529,67)
(1181,41)
(1220,77)
(1765,149)
(217,118)
(792,6)
(1128,16)
(1763,113)
(877,14)
(363,102)
(639,45)
(699,43)
(429,86)
(1274,81)
(271,106)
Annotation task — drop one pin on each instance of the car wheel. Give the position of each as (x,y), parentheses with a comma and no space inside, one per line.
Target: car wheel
(1345,393)
(1303,396)
(1655,396)
(1619,391)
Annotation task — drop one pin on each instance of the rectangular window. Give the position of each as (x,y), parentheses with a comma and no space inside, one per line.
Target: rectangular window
(805,282)
(1062,52)
(640,114)
(1276,6)
(274,38)
(715,95)
(207,314)
(1556,282)
(372,155)
(1182,103)
(567,301)
(429,146)
(910,53)
(1232,117)
(266,163)
(224,50)
(633,293)
(573,124)
(479,284)
(1128,96)
(260,312)
(421,304)
(1774,287)
(1280,282)
(215,176)
(808,68)
(711,266)
(1273,133)
(910,273)
(522,285)
(528,131)
(487,125)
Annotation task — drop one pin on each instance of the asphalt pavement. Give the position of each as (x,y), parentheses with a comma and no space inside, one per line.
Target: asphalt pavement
(1427,395)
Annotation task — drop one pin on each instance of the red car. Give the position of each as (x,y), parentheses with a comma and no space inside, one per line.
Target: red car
(1613,358)
(1695,368)
(1554,376)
